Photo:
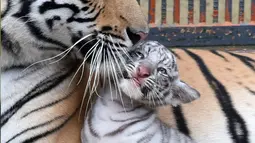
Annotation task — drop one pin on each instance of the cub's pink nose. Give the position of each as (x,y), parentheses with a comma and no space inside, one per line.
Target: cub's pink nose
(143,71)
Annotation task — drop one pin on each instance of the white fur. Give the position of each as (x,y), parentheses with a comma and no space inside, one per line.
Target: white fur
(130,89)
(102,123)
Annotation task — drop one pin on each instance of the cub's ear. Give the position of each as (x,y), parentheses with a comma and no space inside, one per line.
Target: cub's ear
(183,93)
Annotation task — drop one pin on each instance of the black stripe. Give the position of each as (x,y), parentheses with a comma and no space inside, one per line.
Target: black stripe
(132,118)
(245,60)
(118,45)
(50,48)
(9,44)
(49,105)
(91,26)
(146,139)
(85,8)
(143,129)
(166,93)
(218,54)
(35,127)
(180,120)
(42,135)
(250,90)
(236,124)
(175,54)
(93,9)
(85,1)
(16,67)
(51,5)
(39,89)
(34,30)
(90,118)
(50,21)
(8,7)
(133,109)
(173,62)
(81,20)
(125,126)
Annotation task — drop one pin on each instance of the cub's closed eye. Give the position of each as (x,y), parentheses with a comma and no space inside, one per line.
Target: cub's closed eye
(139,55)
(162,70)
(136,54)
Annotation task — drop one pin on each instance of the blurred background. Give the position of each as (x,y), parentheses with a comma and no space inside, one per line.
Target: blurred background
(202,23)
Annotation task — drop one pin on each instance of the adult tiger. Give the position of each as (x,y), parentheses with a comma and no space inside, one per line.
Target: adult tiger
(40,104)
(225,112)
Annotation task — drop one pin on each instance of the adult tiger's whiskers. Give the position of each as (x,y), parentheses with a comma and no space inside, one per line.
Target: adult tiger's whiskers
(86,44)
(98,59)
(16,20)
(120,71)
(92,50)
(88,85)
(115,78)
(104,68)
(64,52)
(126,53)
(112,69)
(108,73)
(124,65)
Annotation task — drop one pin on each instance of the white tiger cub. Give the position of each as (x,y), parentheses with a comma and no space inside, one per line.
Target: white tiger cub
(149,79)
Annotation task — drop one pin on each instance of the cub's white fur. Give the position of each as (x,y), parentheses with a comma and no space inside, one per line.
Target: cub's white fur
(127,115)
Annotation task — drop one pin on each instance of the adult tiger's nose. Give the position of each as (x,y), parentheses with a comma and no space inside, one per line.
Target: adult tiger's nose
(143,71)
(135,35)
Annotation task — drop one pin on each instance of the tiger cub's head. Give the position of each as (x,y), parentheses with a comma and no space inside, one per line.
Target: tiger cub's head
(93,26)
(151,77)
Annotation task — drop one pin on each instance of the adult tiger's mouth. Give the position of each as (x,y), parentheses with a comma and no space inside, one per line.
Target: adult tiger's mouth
(135,37)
